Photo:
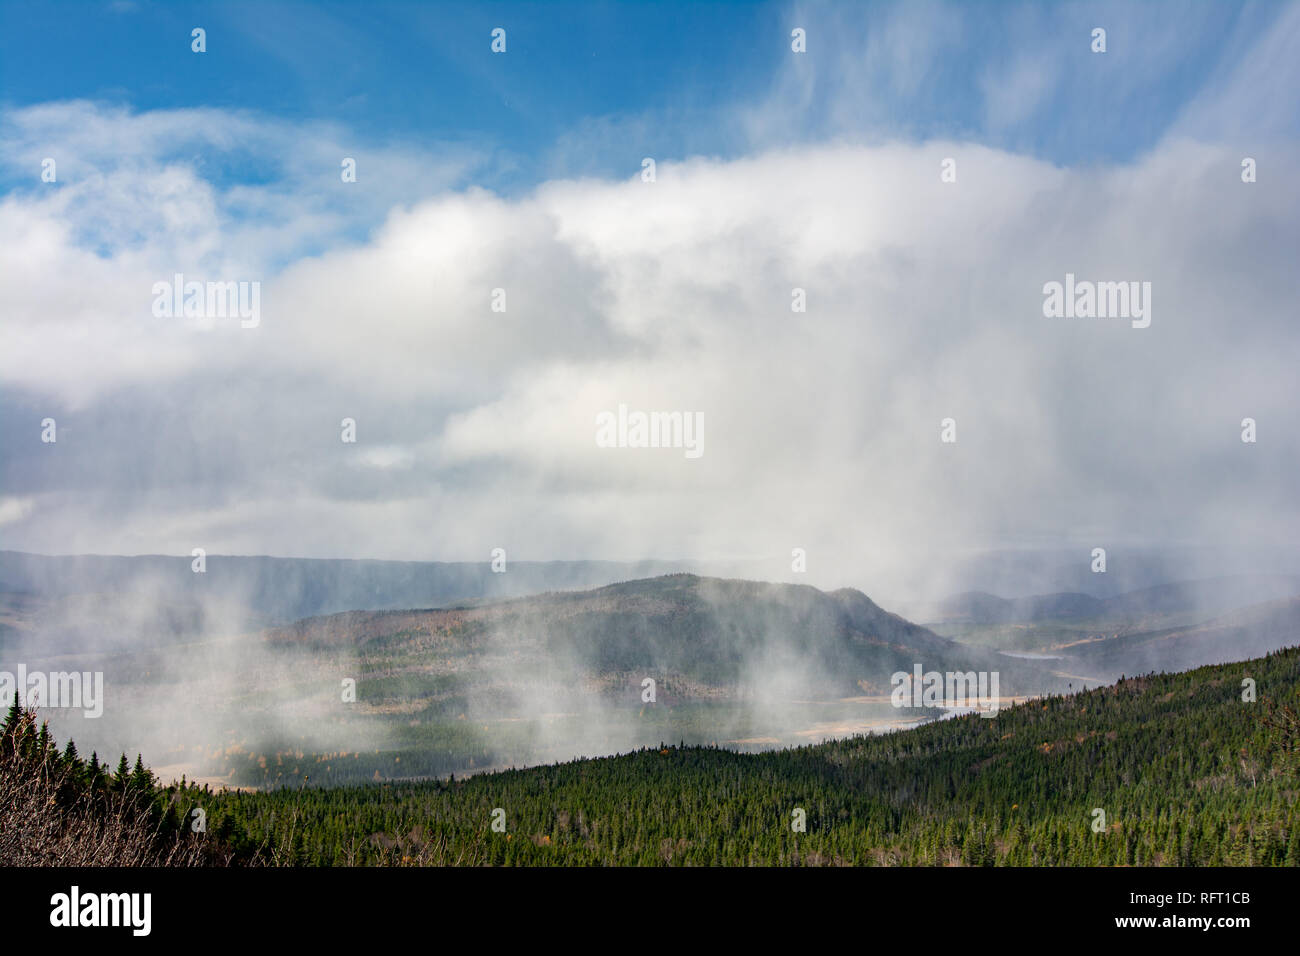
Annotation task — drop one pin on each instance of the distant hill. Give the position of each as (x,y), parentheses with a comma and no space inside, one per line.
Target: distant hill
(1208,596)
(112,600)
(703,635)
(981,608)
(1236,636)
(1203,597)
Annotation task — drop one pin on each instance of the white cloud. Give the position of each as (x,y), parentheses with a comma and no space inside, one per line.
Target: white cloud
(476,428)
(14,509)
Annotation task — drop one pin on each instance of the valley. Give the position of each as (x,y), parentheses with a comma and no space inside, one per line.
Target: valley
(372,696)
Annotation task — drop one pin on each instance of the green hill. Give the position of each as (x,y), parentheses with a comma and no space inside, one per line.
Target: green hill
(1184,770)
(703,636)
(530,680)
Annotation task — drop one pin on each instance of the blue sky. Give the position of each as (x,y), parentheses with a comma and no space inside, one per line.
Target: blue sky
(411,71)
(589,88)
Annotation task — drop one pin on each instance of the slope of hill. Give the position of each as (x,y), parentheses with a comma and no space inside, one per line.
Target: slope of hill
(1209,596)
(1236,636)
(419,693)
(745,664)
(702,636)
(1164,769)
(1167,627)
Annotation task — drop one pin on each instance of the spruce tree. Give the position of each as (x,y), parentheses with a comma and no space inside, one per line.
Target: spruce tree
(13,716)
(10,732)
(122,777)
(141,778)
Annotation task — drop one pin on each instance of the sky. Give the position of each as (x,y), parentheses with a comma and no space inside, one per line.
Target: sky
(524,171)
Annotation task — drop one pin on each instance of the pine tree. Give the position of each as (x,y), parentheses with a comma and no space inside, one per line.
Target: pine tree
(29,739)
(122,777)
(11,732)
(74,772)
(13,717)
(141,778)
(93,772)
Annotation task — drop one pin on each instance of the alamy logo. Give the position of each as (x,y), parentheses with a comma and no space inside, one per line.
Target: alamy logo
(955,689)
(651,430)
(209,301)
(1098,300)
(103,909)
(75,689)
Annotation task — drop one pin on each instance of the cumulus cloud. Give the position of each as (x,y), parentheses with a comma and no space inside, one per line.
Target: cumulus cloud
(476,428)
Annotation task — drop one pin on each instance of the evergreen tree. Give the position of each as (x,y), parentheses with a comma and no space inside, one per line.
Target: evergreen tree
(14,717)
(141,779)
(122,776)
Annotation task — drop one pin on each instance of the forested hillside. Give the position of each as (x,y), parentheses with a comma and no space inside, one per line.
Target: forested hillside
(699,635)
(1162,769)
(391,695)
